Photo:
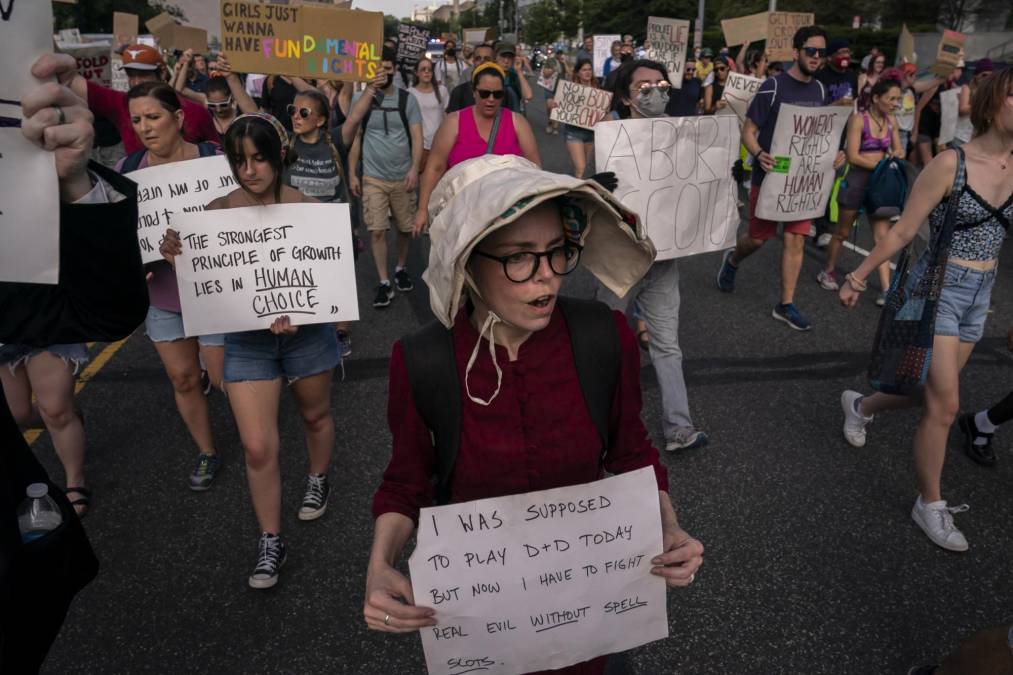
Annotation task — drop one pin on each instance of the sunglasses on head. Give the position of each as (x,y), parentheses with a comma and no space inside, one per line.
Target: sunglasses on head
(486,93)
(815,52)
(303,112)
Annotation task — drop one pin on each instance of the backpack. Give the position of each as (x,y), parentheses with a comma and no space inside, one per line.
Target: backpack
(132,161)
(436,389)
(887,186)
(401,110)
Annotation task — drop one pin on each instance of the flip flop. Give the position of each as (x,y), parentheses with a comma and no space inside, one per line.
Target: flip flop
(84,500)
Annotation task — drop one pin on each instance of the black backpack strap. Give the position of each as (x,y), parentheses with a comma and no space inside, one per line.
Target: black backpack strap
(436,390)
(402,110)
(597,354)
(207,149)
(132,161)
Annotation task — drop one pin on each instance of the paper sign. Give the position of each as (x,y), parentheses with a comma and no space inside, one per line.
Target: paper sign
(676,172)
(29,192)
(804,147)
(752,28)
(125,27)
(949,111)
(412,41)
(242,268)
(948,54)
(71,36)
(602,52)
(669,39)
(781,30)
(579,105)
(94,61)
(548,82)
(739,92)
(167,190)
(541,580)
(308,41)
(475,36)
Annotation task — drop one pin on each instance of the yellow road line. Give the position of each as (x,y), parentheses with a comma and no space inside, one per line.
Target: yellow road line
(90,371)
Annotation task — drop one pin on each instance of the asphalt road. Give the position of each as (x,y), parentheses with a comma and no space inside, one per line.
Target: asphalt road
(813,564)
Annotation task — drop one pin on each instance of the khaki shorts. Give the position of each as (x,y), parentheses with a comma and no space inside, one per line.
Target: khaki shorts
(382,196)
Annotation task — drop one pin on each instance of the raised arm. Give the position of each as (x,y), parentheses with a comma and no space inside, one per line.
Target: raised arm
(244,102)
(358,111)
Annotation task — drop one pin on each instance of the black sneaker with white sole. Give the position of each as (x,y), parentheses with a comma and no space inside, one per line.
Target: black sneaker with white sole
(403,281)
(270,558)
(384,294)
(314,502)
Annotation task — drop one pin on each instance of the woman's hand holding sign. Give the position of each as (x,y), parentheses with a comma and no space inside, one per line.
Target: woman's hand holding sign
(682,554)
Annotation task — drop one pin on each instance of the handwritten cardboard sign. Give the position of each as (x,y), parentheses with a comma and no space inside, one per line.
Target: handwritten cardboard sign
(743,29)
(579,105)
(669,39)
(548,82)
(125,27)
(739,92)
(541,580)
(948,54)
(781,27)
(949,112)
(119,80)
(242,268)
(306,40)
(804,146)
(29,192)
(167,190)
(412,41)
(94,61)
(475,36)
(602,52)
(676,173)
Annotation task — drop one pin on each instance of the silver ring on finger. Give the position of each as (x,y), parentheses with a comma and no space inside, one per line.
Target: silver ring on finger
(386,619)
(61,117)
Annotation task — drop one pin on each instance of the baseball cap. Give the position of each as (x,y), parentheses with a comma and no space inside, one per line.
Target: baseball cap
(142,57)
(707,52)
(836,45)
(506,48)
(909,68)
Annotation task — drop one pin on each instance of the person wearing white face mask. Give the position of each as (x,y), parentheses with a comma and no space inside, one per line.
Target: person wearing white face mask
(531,413)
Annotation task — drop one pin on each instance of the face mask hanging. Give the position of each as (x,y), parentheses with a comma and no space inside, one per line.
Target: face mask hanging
(490,323)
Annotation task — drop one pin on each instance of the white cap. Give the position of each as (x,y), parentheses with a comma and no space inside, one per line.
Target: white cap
(37,490)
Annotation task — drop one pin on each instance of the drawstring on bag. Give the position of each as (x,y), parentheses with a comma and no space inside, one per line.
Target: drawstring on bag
(490,324)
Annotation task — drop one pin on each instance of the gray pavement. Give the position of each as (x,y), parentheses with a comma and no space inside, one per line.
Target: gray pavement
(812,562)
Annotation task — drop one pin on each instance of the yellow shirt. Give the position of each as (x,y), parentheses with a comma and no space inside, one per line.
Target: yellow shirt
(702,71)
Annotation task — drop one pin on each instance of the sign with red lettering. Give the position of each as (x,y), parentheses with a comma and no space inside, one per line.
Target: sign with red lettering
(669,39)
(579,105)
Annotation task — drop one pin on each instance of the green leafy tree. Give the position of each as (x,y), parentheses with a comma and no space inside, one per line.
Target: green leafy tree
(542,23)
(96,16)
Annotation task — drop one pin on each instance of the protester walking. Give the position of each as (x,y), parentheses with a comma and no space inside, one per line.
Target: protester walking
(979,428)
(964,129)
(580,141)
(715,88)
(224,97)
(867,80)
(837,75)
(687,99)
(447,71)
(432,98)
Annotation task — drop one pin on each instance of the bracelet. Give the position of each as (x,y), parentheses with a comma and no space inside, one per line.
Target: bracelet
(859,286)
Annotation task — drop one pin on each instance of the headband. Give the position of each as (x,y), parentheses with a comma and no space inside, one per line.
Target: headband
(488,65)
(272,120)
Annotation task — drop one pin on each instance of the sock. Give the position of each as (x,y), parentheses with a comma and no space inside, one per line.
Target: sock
(398,268)
(385,282)
(984,424)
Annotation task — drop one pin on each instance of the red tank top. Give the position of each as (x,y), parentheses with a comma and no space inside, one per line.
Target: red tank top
(470,144)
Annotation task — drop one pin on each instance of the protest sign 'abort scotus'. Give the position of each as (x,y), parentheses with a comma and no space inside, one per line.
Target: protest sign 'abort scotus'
(675,173)
(541,580)
(243,268)
(804,146)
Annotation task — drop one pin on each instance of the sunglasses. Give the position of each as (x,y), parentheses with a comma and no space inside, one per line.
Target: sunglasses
(220,106)
(303,112)
(815,52)
(645,87)
(485,93)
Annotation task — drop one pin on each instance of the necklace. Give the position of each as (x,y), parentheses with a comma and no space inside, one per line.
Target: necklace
(1003,161)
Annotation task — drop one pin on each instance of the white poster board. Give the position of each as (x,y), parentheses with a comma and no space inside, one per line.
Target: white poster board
(548,82)
(119,81)
(669,39)
(602,52)
(579,105)
(243,268)
(739,92)
(94,61)
(804,146)
(949,111)
(167,190)
(29,192)
(541,580)
(676,173)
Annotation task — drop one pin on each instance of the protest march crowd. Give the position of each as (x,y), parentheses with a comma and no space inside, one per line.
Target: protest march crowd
(501,381)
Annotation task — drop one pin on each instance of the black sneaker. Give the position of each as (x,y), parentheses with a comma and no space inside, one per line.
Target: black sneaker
(205,382)
(982,454)
(204,473)
(384,294)
(314,502)
(403,281)
(270,558)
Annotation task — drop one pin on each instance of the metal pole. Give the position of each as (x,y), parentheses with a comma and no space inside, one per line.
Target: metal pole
(698,34)
(773,6)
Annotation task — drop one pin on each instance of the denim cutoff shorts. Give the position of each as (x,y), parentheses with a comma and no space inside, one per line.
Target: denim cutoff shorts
(262,355)
(73,354)
(572,134)
(963,301)
(164,326)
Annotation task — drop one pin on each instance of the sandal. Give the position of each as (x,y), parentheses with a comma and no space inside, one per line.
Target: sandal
(83,501)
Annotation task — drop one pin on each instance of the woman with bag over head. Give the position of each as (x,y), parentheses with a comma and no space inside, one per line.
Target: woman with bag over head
(972,185)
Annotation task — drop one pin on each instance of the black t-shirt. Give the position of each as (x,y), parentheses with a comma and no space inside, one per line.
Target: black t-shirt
(277,97)
(839,85)
(683,102)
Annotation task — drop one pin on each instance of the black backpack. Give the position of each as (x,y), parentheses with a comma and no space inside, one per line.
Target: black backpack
(401,110)
(436,389)
(133,160)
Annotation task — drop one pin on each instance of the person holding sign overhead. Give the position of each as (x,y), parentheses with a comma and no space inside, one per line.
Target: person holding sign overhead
(798,86)
(222,96)
(580,141)
(508,348)
(256,361)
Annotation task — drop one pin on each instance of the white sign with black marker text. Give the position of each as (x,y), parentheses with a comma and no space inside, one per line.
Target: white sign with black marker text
(739,92)
(541,580)
(602,52)
(669,39)
(676,173)
(243,268)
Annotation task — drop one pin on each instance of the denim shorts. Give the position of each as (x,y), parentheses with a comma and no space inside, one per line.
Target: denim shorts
(572,134)
(164,326)
(15,355)
(261,355)
(963,300)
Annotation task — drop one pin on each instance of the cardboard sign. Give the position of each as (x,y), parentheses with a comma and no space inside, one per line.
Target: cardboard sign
(308,41)
(676,173)
(243,268)
(781,27)
(168,190)
(70,36)
(603,52)
(744,29)
(949,112)
(94,61)
(548,82)
(475,36)
(188,37)
(125,27)
(948,54)
(739,92)
(29,191)
(669,39)
(542,580)
(579,105)
(804,146)
(157,24)
(119,82)
(906,46)
(412,41)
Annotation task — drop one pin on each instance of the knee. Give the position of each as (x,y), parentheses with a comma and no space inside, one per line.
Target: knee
(317,421)
(378,236)
(260,454)
(943,410)
(56,414)
(185,381)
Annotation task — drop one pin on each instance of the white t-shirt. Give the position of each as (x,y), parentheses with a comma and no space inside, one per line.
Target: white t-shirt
(255,84)
(433,112)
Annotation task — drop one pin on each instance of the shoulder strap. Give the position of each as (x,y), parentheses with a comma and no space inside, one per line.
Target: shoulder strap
(495,130)
(132,161)
(944,234)
(402,111)
(207,149)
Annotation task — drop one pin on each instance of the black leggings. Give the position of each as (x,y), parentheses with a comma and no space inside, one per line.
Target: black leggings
(1002,411)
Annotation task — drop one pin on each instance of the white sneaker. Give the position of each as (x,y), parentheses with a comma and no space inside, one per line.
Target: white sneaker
(824,240)
(936,520)
(854,421)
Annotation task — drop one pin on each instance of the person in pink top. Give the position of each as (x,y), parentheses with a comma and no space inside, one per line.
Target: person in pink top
(484,128)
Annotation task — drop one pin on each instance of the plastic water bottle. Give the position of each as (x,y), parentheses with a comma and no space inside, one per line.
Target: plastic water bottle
(38,514)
